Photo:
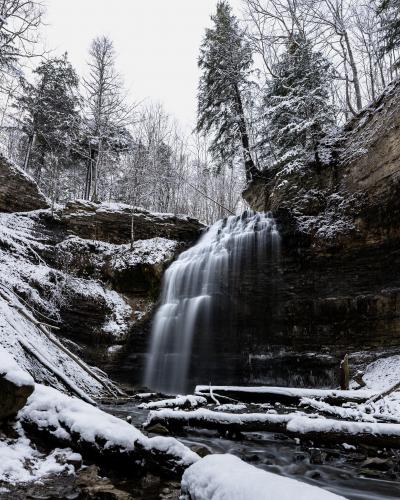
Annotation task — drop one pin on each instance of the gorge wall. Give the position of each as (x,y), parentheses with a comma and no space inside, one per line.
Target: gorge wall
(334,290)
(336,287)
(339,280)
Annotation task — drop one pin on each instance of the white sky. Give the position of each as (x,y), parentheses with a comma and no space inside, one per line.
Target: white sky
(157,42)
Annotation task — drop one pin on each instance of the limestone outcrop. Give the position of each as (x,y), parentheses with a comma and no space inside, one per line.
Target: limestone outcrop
(18,191)
(337,288)
(118,223)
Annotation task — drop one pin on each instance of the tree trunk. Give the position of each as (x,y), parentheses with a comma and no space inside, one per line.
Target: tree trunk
(354,71)
(250,168)
(29,151)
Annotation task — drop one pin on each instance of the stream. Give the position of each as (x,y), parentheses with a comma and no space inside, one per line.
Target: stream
(362,473)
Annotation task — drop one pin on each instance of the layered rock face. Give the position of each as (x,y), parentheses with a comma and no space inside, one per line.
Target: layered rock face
(118,223)
(18,191)
(337,288)
(93,271)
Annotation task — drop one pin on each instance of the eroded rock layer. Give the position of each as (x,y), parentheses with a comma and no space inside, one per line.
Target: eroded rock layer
(337,288)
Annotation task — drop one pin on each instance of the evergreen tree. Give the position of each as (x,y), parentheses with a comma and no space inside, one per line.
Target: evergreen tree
(389,11)
(52,117)
(297,110)
(225,61)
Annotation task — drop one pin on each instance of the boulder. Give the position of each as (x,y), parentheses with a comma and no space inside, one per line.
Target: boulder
(18,191)
(117,223)
(15,386)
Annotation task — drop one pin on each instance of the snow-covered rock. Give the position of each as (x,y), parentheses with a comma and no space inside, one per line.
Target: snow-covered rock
(16,386)
(134,269)
(18,191)
(383,373)
(117,222)
(86,428)
(21,462)
(32,291)
(226,477)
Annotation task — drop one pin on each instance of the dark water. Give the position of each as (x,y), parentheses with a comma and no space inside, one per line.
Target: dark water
(341,471)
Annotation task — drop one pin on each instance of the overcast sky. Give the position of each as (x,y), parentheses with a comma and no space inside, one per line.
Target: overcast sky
(157,42)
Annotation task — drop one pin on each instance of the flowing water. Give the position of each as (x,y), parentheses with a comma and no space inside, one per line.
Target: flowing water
(196,285)
(356,473)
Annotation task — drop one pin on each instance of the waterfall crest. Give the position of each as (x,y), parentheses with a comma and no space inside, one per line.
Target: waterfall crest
(197,282)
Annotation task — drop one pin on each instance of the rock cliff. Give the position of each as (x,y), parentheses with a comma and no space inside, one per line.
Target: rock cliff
(90,271)
(338,282)
(18,191)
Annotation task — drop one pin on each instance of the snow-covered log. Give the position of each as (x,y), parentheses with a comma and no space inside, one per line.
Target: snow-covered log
(221,421)
(285,395)
(178,402)
(296,425)
(223,477)
(60,420)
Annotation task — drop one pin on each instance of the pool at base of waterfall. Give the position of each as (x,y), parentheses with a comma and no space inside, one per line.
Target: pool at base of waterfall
(357,473)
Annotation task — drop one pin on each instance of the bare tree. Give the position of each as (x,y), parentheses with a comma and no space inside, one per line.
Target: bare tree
(19,30)
(106,110)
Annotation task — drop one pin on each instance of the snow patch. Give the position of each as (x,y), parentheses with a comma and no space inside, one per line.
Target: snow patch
(226,477)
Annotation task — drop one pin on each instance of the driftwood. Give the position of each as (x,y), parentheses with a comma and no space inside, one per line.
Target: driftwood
(283,395)
(384,393)
(292,425)
(219,421)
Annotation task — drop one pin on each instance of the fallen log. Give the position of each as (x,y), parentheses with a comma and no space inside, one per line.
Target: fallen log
(285,395)
(220,421)
(295,425)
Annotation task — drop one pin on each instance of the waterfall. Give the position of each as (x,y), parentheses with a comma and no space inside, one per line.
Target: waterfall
(195,284)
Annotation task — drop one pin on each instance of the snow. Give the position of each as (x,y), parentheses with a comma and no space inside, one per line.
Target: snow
(383,373)
(64,415)
(150,252)
(10,370)
(303,425)
(231,407)
(179,401)
(226,477)
(20,461)
(22,274)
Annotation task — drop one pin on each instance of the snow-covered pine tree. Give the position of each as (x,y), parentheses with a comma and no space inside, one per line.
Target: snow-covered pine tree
(225,60)
(297,110)
(51,115)
(389,11)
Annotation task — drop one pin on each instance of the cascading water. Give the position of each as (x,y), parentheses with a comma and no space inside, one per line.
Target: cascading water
(195,284)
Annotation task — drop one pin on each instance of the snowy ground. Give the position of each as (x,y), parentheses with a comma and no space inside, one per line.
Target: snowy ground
(226,477)
(21,462)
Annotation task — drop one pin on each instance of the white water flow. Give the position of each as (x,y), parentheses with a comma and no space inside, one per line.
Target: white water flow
(193,284)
